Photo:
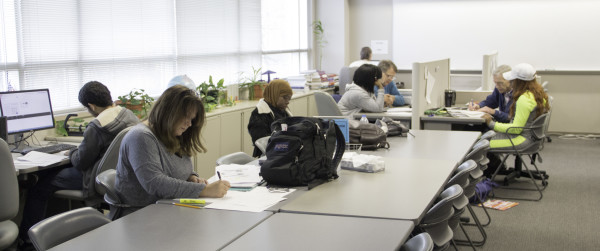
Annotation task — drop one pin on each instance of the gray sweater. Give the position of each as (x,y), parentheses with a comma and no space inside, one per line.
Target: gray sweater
(357,99)
(147,172)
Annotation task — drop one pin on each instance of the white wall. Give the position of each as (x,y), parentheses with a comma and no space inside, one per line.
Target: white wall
(334,17)
(370,20)
(576,94)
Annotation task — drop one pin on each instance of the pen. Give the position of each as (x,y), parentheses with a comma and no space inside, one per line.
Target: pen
(219,174)
(184,205)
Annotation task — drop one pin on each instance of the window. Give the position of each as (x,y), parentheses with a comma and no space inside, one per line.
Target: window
(62,44)
(285,36)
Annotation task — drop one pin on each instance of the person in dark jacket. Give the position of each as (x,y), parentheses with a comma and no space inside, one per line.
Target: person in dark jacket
(273,106)
(108,122)
(500,98)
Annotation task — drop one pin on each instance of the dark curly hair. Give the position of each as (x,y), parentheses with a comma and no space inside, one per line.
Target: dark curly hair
(95,93)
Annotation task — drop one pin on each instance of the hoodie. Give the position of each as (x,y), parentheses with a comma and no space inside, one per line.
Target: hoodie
(357,99)
(98,135)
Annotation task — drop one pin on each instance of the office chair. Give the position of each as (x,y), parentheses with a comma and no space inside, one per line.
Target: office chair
(461,178)
(435,221)
(420,242)
(108,161)
(478,154)
(538,135)
(488,135)
(262,144)
(326,106)
(345,78)
(107,180)
(60,228)
(240,158)
(9,196)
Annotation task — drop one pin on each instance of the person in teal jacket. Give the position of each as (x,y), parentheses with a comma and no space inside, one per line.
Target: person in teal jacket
(392,95)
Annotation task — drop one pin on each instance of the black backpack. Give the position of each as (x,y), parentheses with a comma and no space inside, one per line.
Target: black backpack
(304,153)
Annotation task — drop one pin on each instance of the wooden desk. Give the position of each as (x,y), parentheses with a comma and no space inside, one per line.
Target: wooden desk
(403,191)
(284,231)
(168,227)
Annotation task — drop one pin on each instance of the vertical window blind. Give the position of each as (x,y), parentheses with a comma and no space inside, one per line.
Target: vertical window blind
(62,44)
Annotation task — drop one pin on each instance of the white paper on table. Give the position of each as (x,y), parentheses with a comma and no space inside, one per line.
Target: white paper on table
(466,113)
(256,200)
(40,159)
(240,175)
(399,109)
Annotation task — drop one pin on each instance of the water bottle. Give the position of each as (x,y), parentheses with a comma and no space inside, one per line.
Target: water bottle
(364,120)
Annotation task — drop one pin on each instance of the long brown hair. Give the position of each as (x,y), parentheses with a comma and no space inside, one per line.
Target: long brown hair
(520,87)
(170,108)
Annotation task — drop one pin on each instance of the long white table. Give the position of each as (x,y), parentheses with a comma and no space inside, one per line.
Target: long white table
(403,191)
(388,202)
(284,231)
(168,227)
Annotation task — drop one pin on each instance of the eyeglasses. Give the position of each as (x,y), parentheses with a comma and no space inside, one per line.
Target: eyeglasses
(393,77)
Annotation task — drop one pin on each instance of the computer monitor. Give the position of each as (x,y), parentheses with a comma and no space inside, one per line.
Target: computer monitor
(26,110)
(490,62)
(429,83)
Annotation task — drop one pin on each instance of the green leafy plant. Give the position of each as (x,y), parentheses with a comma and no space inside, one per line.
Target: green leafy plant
(138,101)
(210,92)
(251,82)
(320,41)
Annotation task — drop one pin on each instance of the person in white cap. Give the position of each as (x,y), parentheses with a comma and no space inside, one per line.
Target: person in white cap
(530,101)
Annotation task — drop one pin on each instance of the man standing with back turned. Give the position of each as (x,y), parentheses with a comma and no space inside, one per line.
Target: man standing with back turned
(108,122)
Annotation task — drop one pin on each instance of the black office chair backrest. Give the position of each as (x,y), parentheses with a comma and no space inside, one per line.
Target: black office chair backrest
(9,187)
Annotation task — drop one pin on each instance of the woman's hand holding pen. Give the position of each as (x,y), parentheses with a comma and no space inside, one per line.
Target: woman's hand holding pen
(216,189)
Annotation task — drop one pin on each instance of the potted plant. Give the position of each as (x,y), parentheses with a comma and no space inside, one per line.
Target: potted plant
(137,101)
(320,41)
(253,85)
(210,93)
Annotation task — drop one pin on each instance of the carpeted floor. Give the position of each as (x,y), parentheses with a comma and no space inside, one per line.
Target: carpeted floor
(567,217)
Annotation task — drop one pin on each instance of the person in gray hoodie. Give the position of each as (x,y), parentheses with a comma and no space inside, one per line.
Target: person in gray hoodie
(359,95)
(108,122)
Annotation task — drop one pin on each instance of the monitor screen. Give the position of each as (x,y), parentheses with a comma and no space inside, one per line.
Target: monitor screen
(27,110)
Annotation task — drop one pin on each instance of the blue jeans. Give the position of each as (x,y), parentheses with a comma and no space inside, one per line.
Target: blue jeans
(49,181)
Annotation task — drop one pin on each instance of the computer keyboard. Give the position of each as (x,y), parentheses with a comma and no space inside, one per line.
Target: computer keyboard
(50,148)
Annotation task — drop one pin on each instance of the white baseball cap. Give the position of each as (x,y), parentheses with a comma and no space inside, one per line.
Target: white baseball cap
(521,71)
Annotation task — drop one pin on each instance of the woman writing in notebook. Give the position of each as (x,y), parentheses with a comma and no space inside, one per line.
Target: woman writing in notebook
(359,95)
(155,156)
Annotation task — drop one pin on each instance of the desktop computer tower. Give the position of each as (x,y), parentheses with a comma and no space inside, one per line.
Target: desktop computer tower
(3,129)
